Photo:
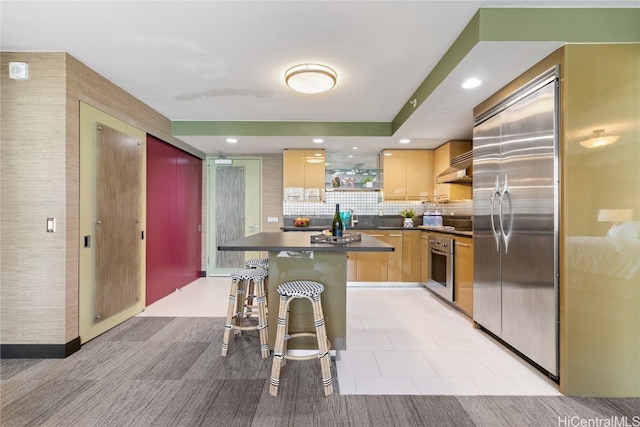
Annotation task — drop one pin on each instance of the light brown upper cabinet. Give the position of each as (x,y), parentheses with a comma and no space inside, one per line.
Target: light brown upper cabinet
(441,162)
(407,174)
(303,175)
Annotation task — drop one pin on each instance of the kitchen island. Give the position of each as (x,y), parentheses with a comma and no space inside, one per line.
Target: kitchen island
(292,256)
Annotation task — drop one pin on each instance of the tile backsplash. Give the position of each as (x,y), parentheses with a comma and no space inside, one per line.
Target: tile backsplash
(368,203)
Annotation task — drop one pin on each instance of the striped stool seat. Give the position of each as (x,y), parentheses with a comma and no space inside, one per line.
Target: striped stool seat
(262,263)
(241,307)
(290,291)
(249,273)
(301,289)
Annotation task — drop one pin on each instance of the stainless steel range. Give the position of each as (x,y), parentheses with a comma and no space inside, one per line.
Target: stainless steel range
(441,266)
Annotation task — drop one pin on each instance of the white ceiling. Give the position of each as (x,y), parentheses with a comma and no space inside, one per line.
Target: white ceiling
(225,60)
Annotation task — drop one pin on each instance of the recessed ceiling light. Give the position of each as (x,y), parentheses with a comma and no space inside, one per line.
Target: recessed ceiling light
(310,78)
(354,148)
(232,140)
(318,140)
(350,156)
(404,141)
(471,83)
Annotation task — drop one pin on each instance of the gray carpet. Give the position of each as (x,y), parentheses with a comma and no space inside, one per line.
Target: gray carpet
(159,372)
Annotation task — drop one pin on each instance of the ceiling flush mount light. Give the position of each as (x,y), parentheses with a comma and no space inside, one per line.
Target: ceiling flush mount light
(471,83)
(310,78)
(599,141)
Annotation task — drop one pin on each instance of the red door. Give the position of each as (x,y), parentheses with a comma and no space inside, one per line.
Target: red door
(174,212)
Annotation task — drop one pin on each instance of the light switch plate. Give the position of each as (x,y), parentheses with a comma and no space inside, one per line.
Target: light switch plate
(51,225)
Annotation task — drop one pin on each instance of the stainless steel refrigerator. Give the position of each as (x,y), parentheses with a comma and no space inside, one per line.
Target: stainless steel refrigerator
(515,221)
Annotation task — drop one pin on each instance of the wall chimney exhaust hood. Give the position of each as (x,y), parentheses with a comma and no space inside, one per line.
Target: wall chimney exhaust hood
(460,170)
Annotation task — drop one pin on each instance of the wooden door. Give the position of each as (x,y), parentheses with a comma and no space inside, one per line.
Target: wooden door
(118,232)
(230,225)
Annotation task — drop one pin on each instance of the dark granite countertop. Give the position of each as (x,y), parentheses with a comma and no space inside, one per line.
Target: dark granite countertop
(318,229)
(462,224)
(297,242)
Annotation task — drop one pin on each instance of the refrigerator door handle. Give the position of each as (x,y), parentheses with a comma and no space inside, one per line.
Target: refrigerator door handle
(506,234)
(494,230)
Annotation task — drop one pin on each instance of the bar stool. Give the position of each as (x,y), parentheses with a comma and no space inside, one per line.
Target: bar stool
(290,291)
(238,310)
(262,263)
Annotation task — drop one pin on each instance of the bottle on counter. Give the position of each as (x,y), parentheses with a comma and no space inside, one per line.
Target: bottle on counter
(336,224)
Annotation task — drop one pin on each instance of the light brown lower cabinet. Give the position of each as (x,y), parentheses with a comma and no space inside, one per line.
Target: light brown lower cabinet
(411,256)
(426,257)
(352,258)
(401,265)
(372,266)
(395,258)
(463,284)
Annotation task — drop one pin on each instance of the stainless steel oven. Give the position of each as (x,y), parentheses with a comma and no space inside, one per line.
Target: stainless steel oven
(441,266)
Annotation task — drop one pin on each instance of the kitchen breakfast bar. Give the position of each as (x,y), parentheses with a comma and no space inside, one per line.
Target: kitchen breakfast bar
(292,256)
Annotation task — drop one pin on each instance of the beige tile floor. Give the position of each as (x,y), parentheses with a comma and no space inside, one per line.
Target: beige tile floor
(400,341)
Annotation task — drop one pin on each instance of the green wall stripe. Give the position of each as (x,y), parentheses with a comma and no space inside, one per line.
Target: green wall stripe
(247,128)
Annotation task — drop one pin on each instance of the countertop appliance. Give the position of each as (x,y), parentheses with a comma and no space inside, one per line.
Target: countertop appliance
(440,278)
(516,211)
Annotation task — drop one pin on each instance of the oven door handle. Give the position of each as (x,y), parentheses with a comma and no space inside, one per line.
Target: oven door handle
(437,252)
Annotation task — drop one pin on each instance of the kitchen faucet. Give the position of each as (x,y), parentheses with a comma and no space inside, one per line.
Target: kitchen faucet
(354,220)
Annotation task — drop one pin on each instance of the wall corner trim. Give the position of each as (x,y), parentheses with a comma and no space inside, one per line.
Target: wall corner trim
(39,351)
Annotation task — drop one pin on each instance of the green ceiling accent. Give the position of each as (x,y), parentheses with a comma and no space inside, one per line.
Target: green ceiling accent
(245,128)
(592,25)
(460,48)
(567,25)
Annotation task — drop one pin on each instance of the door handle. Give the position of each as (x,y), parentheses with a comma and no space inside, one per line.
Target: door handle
(506,235)
(494,231)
